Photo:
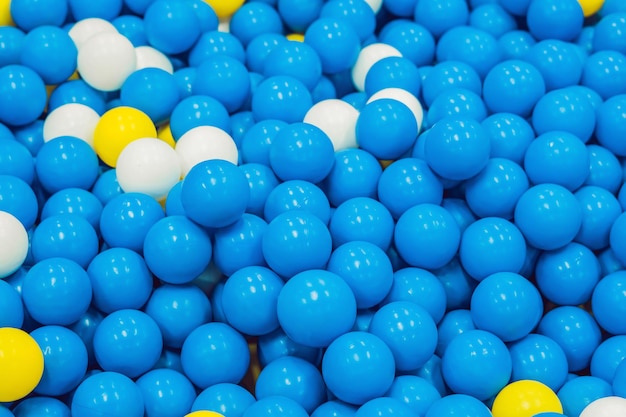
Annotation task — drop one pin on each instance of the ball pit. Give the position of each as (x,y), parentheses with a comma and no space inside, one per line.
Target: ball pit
(250,208)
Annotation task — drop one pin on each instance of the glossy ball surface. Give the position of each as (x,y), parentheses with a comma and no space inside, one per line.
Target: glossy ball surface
(166,392)
(108,393)
(23,95)
(22,363)
(524,398)
(607,302)
(281,97)
(539,358)
(375,223)
(555,19)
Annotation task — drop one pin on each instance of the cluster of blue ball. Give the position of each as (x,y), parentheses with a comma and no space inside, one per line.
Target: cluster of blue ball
(490,248)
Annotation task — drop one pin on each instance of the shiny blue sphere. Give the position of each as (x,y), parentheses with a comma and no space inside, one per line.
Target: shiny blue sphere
(362,219)
(106,186)
(74,200)
(420,287)
(297,195)
(509,136)
(254,19)
(559,62)
(275,405)
(18,199)
(259,48)
(215,42)
(554,19)
(384,406)
(198,110)
(171,26)
(449,74)
(608,302)
(492,18)
(281,97)
(40,406)
(608,33)
(605,73)
(457,102)
(565,110)
(11,46)
(355,13)
(22,95)
(610,124)
(539,358)
(473,46)
(393,72)
(355,173)
(224,78)
(415,392)
(107,393)
(516,44)
(239,245)
(16,160)
(295,59)
(133,28)
(513,86)
(580,391)
(256,142)
(607,358)
(438,17)
(334,408)
(154,91)
(604,169)
(262,181)
(458,405)
(166,392)
(413,40)
(12,310)
(451,325)
(50,52)
(226,398)
(315,307)
(25,13)
(77,91)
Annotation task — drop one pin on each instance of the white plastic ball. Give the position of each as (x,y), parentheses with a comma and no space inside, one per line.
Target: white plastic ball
(84,29)
(72,119)
(375,5)
(149,57)
(405,98)
(337,119)
(224,25)
(13,244)
(149,166)
(605,407)
(203,143)
(105,61)
(368,56)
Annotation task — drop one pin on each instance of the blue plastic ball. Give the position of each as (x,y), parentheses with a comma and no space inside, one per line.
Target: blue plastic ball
(415,392)
(427,236)
(177,250)
(277,344)
(205,14)
(431,372)
(225,398)
(281,97)
(74,201)
(413,40)
(254,19)
(66,162)
(120,279)
(438,17)
(516,44)
(611,124)
(77,91)
(299,14)
(22,95)
(50,52)
(391,119)
(166,393)
(605,73)
(451,325)
(558,62)
(567,276)
(579,392)
(334,408)
(513,86)
(127,341)
(608,33)
(358,14)
(473,46)
(476,363)
(539,358)
(608,302)
(302,151)
(315,307)
(185,79)
(457,102)
(507,305)
(421,287)
(509,136)
(607,358)
(492,18)
(565,110)
(548,216)
(384,407)
(557,157)
(12,310)
(262,181)
(555,19)
(605,170)
(65,360)
(259,48)
(458,405)
(355,173)
(68,236)
(171,26)
(358,367)
(393,72)
(210,344)
(275,405)
(126,219)
(256,142)
(362,219)
(153,91)
(18,199)
(225,79)
(109,393)
(297,195)
(446,75)
(366,269)
(106,186)
(575,330)
(27,14)
(216,42)
(103,9)
(250,300)
(56,291)
(195,111)
(293,378)
(239,245)
(295,59)
(16,160)
(11,43)
(133,28)
(451,138)
(40,406)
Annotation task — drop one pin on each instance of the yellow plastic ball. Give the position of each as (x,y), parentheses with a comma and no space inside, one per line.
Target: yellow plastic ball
(117,128)
(225,8)
(590,7)
(204,413)
(165,134)
(297,37)
(21,364)
(525,398)
(5,13)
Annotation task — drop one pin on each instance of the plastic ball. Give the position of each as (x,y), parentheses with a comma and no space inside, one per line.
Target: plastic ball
(439,17)
(216,42)
(358,367)
(66,162)
(22,364)
(18,199)
(548,215)
(539,358)
(355,173)
(225,79)
(454,136)
(413,40)
(12,40)
(357,14)
(473,46)
(178,310)
(608,32)
(166,392)
(421,287)
(575,330)
(555,19)
(76,91)
(513,86)
(127,341)
(65,359)
(149,57)
(393,72)
(457,102)
(274,405)
(226,398)
(337,119)
(368,56)
(580,391)
(262,181)
(427,236)
(50,52)
(605,407)
(108,393)
(607,301)
(39,406)
(492,18)
(16,160)
(301,151)
(12,311)
(84,29)
(315,307)
(336,42)
(22,95)
(103,9)
(509,136)
(610,125)
(25,13)
(604,73)
(177,250)
(203,143)
(525,398)
(126,219)
(294,59)
(604,170)
(558,62)
(564,110)
(170,26)
(71,119)
(297,195)
(375,223)
(476,363)
(607,358)
(446,75)
(132,27)
(619,381)
(239,245)
(117,128)
(120,279)
(458,404)
(105,60)
(257,141)
(252,20)
(415,392)
(207,184)
(151,90)
(384,406)
(259,48)
(281,97)
(334,408)
(214,343)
